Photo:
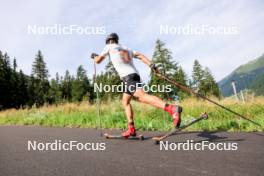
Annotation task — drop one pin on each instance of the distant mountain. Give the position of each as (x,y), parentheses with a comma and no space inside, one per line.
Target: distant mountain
(247,76)
(258,85)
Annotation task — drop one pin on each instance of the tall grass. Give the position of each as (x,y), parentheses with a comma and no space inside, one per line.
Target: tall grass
(112,115)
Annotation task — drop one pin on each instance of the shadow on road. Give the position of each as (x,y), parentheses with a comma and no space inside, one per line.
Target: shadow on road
(213,137)
(258,133)
(207,136)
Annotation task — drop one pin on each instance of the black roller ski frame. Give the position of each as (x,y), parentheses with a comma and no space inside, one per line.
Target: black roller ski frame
(176,130)
(137,137)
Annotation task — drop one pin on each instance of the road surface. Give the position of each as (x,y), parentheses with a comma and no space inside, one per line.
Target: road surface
(124,157)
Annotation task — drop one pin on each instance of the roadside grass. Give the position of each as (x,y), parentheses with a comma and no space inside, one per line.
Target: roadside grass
(84,115)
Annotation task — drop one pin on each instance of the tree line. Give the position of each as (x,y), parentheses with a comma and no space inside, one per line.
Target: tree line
(18,90)
(202,80)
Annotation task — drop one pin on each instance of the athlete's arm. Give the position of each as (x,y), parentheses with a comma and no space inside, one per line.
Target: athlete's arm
(146,61)
(142,58)
(99,59)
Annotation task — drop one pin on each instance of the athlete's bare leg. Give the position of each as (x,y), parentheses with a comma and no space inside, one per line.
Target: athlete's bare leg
(173,110)
(149,99)
(127,106)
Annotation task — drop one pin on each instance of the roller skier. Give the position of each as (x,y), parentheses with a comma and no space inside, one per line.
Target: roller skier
(122,60)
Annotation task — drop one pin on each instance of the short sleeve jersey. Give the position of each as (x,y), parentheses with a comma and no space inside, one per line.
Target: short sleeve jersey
(121,57)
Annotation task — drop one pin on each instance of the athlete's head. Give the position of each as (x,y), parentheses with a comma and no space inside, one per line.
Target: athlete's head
(112,38)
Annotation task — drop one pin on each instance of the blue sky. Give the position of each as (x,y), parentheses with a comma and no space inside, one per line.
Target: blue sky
(138,25)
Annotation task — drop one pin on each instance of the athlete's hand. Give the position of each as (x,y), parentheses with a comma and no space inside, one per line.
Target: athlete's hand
(154,68)
(93,55)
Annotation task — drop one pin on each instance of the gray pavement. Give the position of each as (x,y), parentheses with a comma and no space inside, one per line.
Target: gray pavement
(126,157)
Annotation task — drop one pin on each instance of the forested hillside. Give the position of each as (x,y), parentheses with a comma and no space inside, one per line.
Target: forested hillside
(246,76)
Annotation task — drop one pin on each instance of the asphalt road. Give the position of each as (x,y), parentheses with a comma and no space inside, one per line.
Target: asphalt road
(126,157)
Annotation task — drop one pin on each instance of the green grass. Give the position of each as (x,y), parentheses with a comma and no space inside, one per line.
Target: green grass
(146,118)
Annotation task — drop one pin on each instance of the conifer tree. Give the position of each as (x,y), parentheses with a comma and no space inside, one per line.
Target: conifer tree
(203,81)
(163,60)
(80,86)
(180,77)
(55,93)
(6,82)
(197,74)
(22,90)
(41,83)
(209,85)
(67,86)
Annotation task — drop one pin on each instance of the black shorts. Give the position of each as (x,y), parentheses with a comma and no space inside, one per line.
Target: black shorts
(131,83)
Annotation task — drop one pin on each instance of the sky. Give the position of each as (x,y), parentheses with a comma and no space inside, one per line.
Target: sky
(139,25)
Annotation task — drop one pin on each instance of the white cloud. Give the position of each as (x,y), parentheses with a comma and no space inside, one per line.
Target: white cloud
(138,25)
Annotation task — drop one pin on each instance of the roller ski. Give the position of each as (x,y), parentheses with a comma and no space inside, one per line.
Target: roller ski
(137,137)
(180,128)
(129,134)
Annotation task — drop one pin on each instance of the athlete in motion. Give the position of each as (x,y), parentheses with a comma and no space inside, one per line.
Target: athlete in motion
(122,60)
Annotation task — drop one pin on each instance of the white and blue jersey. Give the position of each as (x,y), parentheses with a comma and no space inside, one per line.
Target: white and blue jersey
(121,57)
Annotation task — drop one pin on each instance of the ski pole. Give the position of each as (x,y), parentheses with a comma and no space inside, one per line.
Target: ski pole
(202,96)
(97,101)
